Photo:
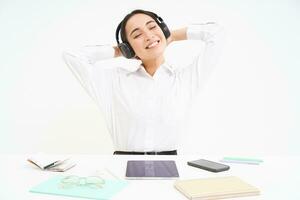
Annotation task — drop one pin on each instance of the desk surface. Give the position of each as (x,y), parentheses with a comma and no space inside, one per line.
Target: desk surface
(277,177)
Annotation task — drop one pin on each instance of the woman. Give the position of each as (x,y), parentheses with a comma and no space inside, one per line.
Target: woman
(145,105)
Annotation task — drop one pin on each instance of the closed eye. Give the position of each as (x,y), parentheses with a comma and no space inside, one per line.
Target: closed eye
(152,27)
(137,36)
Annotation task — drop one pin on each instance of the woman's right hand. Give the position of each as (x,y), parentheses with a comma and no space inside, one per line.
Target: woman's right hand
(117,51)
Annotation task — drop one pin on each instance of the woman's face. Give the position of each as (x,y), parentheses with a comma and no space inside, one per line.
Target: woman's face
(145,37)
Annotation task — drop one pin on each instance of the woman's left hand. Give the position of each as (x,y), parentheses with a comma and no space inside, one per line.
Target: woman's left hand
(176,35)
(170,39)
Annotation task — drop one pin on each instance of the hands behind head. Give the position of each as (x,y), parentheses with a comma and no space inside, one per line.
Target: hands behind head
(117,51)
(170,39)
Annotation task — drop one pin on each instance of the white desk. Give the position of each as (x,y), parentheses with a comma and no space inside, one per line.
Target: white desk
(277,178)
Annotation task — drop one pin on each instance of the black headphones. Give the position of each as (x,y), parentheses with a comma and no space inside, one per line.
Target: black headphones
(125,47)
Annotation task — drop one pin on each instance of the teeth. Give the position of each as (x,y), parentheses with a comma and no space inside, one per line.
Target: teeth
(152,45)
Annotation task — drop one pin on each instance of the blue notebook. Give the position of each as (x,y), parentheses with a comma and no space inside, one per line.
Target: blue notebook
(53,186)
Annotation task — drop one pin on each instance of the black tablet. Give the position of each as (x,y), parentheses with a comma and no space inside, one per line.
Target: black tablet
(151,169)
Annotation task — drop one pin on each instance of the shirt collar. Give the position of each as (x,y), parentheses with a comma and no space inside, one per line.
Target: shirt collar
(169,67)
(137,67)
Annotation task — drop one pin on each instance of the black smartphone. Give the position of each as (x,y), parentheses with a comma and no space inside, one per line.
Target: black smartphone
(208,165)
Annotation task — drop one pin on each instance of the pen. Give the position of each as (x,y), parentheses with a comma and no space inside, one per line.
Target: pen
(242,160)
(51,164)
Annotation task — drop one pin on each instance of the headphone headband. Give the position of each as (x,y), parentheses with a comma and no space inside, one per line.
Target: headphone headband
(118,31)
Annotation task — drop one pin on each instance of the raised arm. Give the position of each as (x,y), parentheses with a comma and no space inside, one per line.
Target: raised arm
(81,62)
(212,35)
(92,53)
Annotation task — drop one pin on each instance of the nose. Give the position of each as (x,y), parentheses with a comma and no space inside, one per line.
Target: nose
(148,35)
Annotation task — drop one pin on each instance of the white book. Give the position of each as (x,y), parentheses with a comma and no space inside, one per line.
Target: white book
(51,162)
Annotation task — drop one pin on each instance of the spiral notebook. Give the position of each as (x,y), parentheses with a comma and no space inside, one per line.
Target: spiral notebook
(215,188)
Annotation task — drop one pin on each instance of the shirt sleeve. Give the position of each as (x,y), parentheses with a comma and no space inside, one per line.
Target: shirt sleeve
(82,63)
(213,36)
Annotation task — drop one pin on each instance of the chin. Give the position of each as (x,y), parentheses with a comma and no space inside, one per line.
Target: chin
(157,53)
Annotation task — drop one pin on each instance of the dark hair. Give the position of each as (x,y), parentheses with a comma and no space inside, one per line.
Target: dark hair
(128,16)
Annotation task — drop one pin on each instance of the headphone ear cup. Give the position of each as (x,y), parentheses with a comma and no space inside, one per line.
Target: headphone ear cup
(126,50)
(165,29)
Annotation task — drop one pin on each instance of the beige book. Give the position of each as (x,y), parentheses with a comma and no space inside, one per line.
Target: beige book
(215,188)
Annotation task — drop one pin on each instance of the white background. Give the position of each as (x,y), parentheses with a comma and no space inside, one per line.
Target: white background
(250,105)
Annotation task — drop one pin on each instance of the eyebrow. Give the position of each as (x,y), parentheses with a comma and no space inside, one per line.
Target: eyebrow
(139,28)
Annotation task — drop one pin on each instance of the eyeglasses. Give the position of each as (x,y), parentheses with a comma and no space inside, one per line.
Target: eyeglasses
(93,182)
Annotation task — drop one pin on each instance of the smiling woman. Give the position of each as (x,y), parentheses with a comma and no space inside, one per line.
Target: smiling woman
(147,40)
(144,36)
(145,105)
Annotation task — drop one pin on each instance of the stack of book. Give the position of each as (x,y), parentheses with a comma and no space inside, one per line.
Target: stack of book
(215,188)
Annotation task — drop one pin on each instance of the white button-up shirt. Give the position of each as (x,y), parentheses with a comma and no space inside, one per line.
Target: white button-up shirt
(145,113)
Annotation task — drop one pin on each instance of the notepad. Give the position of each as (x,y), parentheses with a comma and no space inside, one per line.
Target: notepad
(215,188)
(52,186)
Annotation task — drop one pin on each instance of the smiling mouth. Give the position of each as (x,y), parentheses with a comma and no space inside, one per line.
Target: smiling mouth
(153,44)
